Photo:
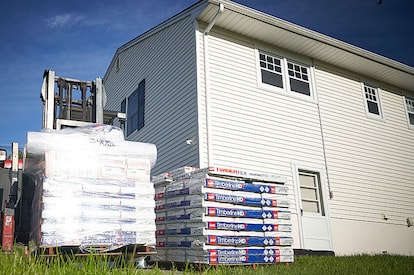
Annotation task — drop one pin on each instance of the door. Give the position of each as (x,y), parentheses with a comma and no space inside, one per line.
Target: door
(314,219)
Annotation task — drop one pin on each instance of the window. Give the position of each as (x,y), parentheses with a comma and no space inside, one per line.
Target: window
(311,193)
(271,70)
(372,101)
(282,73)
(298,78)
(409,104)
(134,107)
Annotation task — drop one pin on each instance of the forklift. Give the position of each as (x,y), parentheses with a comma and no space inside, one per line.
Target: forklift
(10,194)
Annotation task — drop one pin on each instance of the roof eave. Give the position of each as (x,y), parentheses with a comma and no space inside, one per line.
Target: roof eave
(306,42)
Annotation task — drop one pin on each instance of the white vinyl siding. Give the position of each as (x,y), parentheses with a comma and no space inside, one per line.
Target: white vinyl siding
(166,59)
(409,105)
(254,128)
(367,173)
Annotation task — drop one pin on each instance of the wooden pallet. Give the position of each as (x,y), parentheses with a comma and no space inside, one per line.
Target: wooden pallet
(131,251)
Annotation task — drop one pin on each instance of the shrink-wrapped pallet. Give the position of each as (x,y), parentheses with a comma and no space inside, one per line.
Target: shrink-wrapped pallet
(88,194)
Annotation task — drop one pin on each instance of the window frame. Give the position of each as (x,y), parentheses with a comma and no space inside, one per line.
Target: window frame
(408,111)
(285,60)
(378,101)
(317,188)
(138,110)
(298,78)
(274,71)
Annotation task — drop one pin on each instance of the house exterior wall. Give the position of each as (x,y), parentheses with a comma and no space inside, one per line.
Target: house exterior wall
(252,127)
(166,60)
(366,162)
(207,88)
(370,163)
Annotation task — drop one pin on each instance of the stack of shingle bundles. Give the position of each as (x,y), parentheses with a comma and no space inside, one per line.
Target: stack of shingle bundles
(90,196)
(163,179)
(224,216)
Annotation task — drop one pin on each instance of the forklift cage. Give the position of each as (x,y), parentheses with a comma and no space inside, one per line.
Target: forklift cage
(75,103)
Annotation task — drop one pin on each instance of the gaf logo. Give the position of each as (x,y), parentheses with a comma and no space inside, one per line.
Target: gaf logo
(211,211)
(210,196)
(160,232)
(210,183)
(212,225)
(212,239)
(213,260)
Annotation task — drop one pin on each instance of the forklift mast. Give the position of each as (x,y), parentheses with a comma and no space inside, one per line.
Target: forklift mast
(70,102)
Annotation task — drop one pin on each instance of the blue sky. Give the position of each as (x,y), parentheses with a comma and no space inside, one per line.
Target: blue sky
(78,39)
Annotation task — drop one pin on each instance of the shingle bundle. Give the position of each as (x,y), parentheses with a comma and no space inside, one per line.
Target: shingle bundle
(222,216)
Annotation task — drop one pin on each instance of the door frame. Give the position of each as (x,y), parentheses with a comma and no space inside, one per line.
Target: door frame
(296,167)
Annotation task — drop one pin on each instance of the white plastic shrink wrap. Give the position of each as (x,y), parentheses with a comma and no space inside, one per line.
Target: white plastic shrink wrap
(93,188)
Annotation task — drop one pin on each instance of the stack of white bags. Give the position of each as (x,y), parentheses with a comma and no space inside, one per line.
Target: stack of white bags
(92,188)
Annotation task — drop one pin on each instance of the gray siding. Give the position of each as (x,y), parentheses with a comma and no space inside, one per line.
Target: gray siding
(166,59)
(370,161)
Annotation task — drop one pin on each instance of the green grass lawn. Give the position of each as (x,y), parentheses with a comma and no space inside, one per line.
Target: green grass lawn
(364,264)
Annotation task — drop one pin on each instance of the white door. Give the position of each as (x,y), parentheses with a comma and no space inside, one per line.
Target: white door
(314,219)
